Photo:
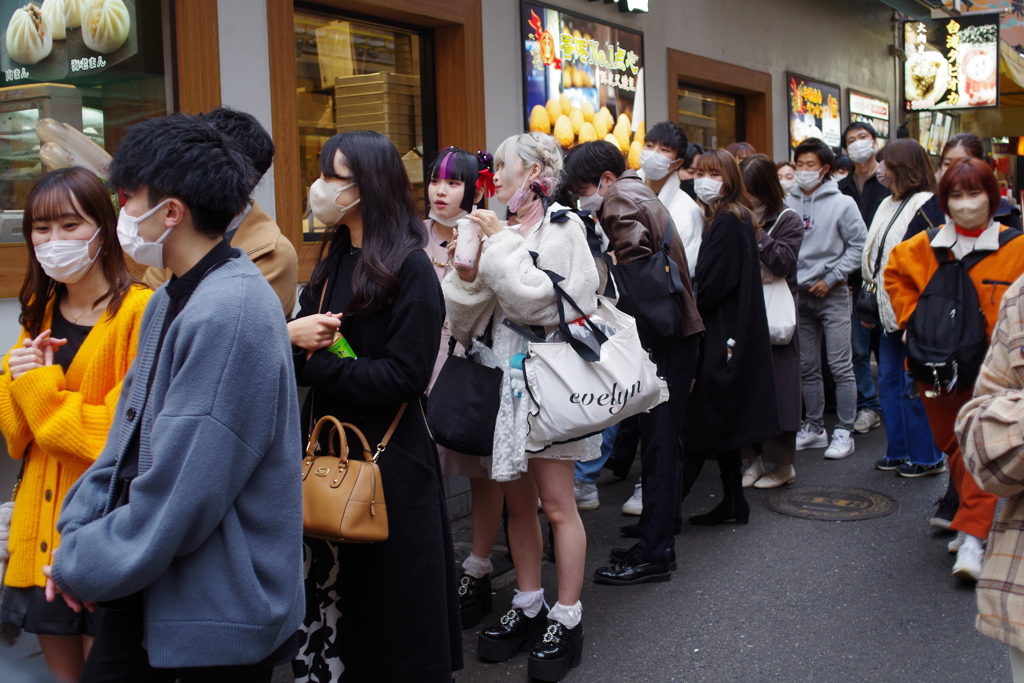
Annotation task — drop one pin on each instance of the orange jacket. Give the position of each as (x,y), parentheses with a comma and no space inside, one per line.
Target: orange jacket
(912,264)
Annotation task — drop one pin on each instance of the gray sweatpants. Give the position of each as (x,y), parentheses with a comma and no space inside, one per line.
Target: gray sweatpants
(828,316)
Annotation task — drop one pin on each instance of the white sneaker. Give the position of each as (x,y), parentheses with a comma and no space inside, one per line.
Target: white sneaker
(586,495)
(635,505)
(867,419)
(807,438)
(954,545)
(968,562)
(842,445)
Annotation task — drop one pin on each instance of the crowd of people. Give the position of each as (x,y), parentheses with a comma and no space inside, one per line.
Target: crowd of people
(159,524)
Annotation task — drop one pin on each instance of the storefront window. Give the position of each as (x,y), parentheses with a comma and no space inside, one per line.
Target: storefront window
(99,78)
(355,75)
(709,118)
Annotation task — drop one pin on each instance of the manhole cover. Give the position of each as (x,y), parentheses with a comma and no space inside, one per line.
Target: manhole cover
(831,504)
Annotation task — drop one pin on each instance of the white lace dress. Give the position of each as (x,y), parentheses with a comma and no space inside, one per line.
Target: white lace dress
(508,284)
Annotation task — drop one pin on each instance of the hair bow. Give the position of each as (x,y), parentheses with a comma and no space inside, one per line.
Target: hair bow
(539,189)
(485,181)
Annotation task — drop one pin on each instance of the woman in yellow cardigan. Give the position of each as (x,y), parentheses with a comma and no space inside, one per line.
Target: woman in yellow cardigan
(80,315)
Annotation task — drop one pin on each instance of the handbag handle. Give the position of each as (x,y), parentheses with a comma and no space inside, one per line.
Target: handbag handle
(585,352)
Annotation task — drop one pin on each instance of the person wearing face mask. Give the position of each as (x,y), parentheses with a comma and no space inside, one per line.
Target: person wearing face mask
(787,175)
(844,167)
(637,223)
(782,232)
(508,282)
(200,473)
(374,284)
(834,234)
(459,180)
(734,401)
(969,194)
(688,171)
(930,215)
(253,230)
(866,185)
(80,315)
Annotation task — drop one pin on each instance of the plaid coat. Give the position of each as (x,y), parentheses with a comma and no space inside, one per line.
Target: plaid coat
(991,432)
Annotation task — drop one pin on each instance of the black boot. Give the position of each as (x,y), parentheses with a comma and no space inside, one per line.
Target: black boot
(515,633)
(947,507)
(561,649)
(733,507)
(474,599)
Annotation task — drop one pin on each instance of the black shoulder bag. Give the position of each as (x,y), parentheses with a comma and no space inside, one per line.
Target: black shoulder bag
(648,289)
(866,304)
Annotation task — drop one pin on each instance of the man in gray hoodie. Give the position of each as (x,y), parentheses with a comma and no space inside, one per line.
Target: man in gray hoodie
(834,234)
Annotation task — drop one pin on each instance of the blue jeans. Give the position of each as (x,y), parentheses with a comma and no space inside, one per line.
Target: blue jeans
(589,471)
(906,424)
(867,396)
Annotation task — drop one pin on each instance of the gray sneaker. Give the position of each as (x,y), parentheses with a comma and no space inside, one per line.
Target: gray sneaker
(867,419)
(586,495)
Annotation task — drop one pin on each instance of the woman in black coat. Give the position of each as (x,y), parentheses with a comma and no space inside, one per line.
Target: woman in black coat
(378,612)
(782,233)
(733,402)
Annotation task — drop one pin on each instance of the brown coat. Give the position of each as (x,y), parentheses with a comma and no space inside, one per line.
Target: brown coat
(260,238)
(634,219)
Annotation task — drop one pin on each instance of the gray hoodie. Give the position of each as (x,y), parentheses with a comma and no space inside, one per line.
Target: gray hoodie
(834,234)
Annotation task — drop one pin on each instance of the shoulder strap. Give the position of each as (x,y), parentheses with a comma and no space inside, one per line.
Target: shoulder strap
(781,213)
(320,306)
(391,432)
(885,236)
(670,234)
(976,257)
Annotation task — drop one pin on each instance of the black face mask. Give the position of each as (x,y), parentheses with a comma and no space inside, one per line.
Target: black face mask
(687,187)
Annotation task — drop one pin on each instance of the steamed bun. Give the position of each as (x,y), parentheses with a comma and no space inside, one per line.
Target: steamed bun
(105,25)
(53,10)
(73,10)
(29,38)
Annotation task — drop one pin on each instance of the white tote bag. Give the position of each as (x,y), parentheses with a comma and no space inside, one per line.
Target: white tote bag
(778,303)
(575,398)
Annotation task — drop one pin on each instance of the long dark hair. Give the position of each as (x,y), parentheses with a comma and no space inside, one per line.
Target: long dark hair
(53,196)
(734,197)
(762,181)
(909,164)
(392,227)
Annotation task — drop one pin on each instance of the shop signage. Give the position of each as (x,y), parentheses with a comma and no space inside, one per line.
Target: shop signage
(814,111)
(869,109)
(583,77)
(39,47)
(953,64)
(629,5)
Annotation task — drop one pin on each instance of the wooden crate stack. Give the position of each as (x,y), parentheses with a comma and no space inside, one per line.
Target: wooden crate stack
(388,103)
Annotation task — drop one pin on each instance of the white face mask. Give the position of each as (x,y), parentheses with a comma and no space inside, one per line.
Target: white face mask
(787,185)
(447,222)
(861,150)
(969,212)
(323,201)
(66,261)
(808,180)
(144,253)
(655,165)
(593,203)
(707,189)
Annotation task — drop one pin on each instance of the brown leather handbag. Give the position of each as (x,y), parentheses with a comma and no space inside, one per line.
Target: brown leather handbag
(343,498)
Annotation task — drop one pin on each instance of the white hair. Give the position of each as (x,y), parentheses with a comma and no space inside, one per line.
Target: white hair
(533,149)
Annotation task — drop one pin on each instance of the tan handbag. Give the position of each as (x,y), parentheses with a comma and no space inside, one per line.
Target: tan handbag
(343,498)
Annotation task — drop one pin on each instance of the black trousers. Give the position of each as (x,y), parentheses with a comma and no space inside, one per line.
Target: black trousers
(117,656)
(661,451)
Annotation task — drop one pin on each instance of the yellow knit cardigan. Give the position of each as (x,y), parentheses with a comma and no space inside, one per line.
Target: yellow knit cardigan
(61,422)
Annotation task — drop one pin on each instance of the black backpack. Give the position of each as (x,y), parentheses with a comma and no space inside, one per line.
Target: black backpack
(946,336)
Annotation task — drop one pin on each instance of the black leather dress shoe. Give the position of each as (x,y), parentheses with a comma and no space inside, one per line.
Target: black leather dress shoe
(515,633)
(620,554)
(474,599)
(630,572)
(737,512)
(558,651)
(633,530)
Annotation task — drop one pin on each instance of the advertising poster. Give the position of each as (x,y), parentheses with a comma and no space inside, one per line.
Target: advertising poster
(65,42)
(814,111)
(584,79)
(952,64)
(869,109)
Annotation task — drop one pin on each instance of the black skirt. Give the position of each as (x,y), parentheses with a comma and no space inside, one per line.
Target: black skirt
(27,608)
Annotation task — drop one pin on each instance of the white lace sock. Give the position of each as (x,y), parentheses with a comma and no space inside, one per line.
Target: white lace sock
(477,567)
(530,602)
(567,616)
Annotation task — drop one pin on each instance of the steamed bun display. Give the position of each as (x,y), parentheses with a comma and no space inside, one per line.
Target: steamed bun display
(53,10)
(105,25)
(73,10)
(29,37)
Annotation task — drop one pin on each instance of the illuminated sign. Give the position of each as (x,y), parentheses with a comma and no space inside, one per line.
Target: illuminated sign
(814,111)
(954,64)
(869,109)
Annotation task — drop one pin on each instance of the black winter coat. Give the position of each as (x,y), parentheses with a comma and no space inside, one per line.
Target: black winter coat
(399,603)
(733,402)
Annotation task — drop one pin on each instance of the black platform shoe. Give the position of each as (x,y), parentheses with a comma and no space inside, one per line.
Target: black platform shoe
(736,511)
(474,599)
(558,651)
(620,554)
(515,633)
